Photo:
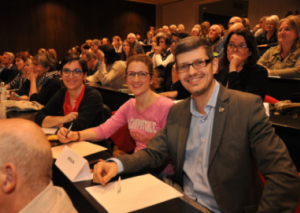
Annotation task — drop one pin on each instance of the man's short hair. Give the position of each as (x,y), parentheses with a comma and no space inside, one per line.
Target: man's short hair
(191,43)
(89,55)
(32,159)
(218,26)
(10,55)
(97,42)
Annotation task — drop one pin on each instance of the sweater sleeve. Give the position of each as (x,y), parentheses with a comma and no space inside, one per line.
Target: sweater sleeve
(118,120)
(53,107)
(158,60)
(117,69)
(293,72)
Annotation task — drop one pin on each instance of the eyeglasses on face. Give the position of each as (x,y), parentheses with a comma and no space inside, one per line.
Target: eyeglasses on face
(198,64)
(67,72)
(240,47)
(140,74)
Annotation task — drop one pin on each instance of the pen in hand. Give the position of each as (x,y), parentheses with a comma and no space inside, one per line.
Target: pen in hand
(119,185)
(69,129)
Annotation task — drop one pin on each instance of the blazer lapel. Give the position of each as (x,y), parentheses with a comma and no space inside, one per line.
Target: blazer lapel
(219,122)
(184,126)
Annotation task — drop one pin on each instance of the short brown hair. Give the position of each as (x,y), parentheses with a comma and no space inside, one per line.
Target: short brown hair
(148,62)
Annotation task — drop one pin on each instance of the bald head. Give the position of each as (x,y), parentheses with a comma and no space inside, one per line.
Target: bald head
(233,20)
(131,38)
(236,27)
(24,145)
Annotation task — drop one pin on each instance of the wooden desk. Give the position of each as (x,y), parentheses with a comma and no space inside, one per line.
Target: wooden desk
(112,97)
(281,88)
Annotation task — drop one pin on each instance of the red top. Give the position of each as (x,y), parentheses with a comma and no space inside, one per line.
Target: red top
(67,105)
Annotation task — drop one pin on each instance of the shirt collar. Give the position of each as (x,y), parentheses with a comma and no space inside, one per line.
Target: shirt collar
(211,103)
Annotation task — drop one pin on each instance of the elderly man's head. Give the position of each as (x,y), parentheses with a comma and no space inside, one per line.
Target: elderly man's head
(214,32)
(165,29)
(8,58)
(25,163)
(233,20)
(131,38)
(195,31)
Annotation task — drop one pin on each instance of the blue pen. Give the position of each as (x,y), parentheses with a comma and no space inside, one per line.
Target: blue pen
(16,95)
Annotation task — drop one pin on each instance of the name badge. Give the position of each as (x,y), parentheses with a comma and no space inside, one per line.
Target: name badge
(75,167)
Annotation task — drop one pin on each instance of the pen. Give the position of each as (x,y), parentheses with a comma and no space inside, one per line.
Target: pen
(16,95)
(69,129)
(119,185)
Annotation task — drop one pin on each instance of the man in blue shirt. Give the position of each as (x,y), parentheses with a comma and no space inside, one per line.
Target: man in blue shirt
(219,140)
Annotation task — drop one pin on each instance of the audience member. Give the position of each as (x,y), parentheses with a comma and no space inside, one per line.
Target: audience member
(246,23)
(240,71)
(148,41)
(136,45)
(154,45)
(26,171)
(180,28)
(105,41)
(42,51)
(217,163)
(152,29)
(172,28)
(162,55)
(172,86)
(127,50)
(147,107)
(44,82)
(88,42)
(75,103)
(117,43)
(233,20)
(111,70)
(260,28)
(284,60)
(17,82)
(92,62)
(204,29)
(52,54)
(10,71)
(166,29)
(95,48)
(214,37)
(195,31)
(269,37)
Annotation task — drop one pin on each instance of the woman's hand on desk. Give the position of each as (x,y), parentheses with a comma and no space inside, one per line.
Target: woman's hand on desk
(71,136)
(104,171)
(70,117)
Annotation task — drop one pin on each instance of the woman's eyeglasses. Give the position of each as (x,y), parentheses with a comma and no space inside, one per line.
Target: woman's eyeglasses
(140,74)
(67,72)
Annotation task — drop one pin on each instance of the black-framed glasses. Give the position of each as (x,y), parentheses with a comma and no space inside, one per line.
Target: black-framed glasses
(198,64)
(240,47)
(140,74)
(67,72)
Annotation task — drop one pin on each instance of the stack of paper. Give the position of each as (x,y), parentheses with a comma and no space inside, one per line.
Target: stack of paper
(136,193)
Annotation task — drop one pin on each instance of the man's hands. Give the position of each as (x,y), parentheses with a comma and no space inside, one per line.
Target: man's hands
(104,171)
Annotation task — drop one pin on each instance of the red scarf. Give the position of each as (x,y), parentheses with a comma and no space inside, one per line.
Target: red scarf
(67,104)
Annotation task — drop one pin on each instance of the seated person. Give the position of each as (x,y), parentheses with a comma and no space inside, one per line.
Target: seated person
(163,55)
(10,71)
(284,60)
(76,102)
(117,43)
(111,71)
(26,171)
(214,37)
(154,45)
(127,50)
(91,60)
(44,82)
(145,114)
(172,86)
(240,71)
(23,63)
(269,37)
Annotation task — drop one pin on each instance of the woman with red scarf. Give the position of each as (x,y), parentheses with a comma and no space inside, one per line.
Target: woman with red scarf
(76,103)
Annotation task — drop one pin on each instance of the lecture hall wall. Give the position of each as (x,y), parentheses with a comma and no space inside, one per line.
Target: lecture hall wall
(64,24)
(187,11)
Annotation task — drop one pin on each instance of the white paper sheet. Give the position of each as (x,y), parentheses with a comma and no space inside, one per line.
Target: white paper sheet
(82,148)
(49,131)
(136,193)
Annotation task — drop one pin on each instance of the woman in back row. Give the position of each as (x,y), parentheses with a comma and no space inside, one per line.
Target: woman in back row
(284,60)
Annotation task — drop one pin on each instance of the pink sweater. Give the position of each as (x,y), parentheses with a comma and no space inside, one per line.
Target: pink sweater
(143,125)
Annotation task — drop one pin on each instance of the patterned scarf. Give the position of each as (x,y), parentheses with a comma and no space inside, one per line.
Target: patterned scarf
(40,82)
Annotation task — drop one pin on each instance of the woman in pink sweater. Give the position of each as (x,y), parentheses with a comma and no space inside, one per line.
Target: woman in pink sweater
(145,115)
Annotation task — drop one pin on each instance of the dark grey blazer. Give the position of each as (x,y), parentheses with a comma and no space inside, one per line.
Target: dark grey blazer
(243,143)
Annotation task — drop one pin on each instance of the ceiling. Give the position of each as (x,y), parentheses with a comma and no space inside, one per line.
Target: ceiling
(158,2)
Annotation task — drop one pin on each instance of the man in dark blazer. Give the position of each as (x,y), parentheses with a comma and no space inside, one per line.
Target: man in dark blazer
(10,71)
(241,143)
